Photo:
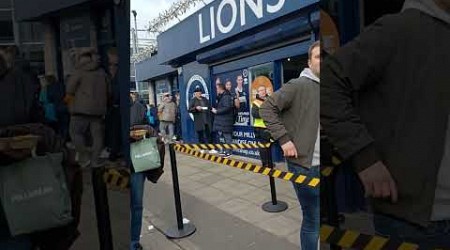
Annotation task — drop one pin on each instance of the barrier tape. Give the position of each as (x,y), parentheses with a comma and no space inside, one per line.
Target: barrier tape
(356,240)
(255,145)
(117,179)
(287,176)
(326,171)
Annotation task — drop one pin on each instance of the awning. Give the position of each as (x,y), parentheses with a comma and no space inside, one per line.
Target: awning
(150,69)
(30,10)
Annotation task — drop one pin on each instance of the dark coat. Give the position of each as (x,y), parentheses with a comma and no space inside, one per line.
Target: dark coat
(292,114)
(137,114)
(201,118)
(384,97)
(224,118)
(18,97)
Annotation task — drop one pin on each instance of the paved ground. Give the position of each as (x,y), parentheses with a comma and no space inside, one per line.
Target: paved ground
(224,203)
(119,213)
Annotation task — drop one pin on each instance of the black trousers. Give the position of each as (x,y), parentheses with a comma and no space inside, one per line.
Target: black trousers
(263,136)
(204,136)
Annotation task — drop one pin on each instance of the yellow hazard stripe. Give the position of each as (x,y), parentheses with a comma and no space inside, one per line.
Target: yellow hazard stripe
(254,145)
(112,177)
(287,176)
(326,171)
(376,243)
(348,239)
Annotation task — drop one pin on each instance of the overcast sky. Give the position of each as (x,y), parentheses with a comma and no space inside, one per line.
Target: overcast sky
(149,9)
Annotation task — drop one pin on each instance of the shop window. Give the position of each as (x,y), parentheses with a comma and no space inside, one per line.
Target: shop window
(6,26)
(31,32)
(5,4)
(293,66)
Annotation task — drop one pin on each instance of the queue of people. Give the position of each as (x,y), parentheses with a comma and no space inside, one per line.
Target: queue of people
(289,116)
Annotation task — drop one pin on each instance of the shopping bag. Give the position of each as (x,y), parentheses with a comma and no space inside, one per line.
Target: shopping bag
(34,194)
(145,154)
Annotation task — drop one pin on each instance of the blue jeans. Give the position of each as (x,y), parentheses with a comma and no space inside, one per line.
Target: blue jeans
(225,138)
(436,235)
(310,203)
(137,207)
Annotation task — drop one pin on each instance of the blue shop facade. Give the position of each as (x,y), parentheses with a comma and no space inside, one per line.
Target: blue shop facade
(249,43)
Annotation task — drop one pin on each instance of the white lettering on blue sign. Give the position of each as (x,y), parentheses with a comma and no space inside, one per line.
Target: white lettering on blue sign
(257,9)
(226,28)
(275,8)
(215,18)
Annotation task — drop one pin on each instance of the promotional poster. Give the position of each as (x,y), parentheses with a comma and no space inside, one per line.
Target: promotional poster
(243,85)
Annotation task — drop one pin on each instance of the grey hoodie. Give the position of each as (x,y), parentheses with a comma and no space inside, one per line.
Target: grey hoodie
(441,208)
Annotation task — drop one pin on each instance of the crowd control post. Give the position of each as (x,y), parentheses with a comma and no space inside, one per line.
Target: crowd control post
(182,230)
(273,206)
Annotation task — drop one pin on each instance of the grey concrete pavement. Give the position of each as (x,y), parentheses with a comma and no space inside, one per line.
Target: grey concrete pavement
(224,203)
(119,213)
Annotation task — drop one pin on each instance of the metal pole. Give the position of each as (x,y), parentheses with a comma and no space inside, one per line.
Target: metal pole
(182,230)
(135,32)
(333,214)
(273,206)
(102,208)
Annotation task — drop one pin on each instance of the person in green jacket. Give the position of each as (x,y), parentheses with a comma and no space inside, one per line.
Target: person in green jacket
(291,115)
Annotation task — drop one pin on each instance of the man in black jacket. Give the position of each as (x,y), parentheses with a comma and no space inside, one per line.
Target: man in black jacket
(224,117)
(385,105)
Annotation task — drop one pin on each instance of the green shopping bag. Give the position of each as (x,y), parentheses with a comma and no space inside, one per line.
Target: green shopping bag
(145,155)
(34,194)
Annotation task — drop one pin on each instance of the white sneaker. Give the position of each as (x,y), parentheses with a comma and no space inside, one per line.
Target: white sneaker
(213,151)
(202,151)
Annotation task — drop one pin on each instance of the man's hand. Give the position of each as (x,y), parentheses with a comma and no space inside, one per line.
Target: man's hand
(214,110)
(378,182)
(198,108)
(289,149)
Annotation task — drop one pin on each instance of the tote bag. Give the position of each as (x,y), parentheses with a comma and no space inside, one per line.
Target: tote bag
(34,194)
(145,155)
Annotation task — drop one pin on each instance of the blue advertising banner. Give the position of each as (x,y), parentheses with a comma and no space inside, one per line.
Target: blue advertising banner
(243,85)
(193,75)
(220,20)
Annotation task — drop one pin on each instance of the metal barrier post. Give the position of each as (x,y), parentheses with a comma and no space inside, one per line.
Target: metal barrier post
(183,229)
(102,208)
(273,206)
(331,209)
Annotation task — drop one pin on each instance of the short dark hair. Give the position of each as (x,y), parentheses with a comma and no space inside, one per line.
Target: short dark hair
(314,45)
(221,86)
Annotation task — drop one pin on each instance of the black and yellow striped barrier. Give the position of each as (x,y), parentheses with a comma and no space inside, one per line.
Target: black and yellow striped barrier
(255,145)
(287,176)
(326,171)
(355,240)
(117,179)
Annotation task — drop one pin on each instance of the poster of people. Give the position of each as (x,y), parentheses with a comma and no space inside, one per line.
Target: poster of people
(244,86)
(237,84)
